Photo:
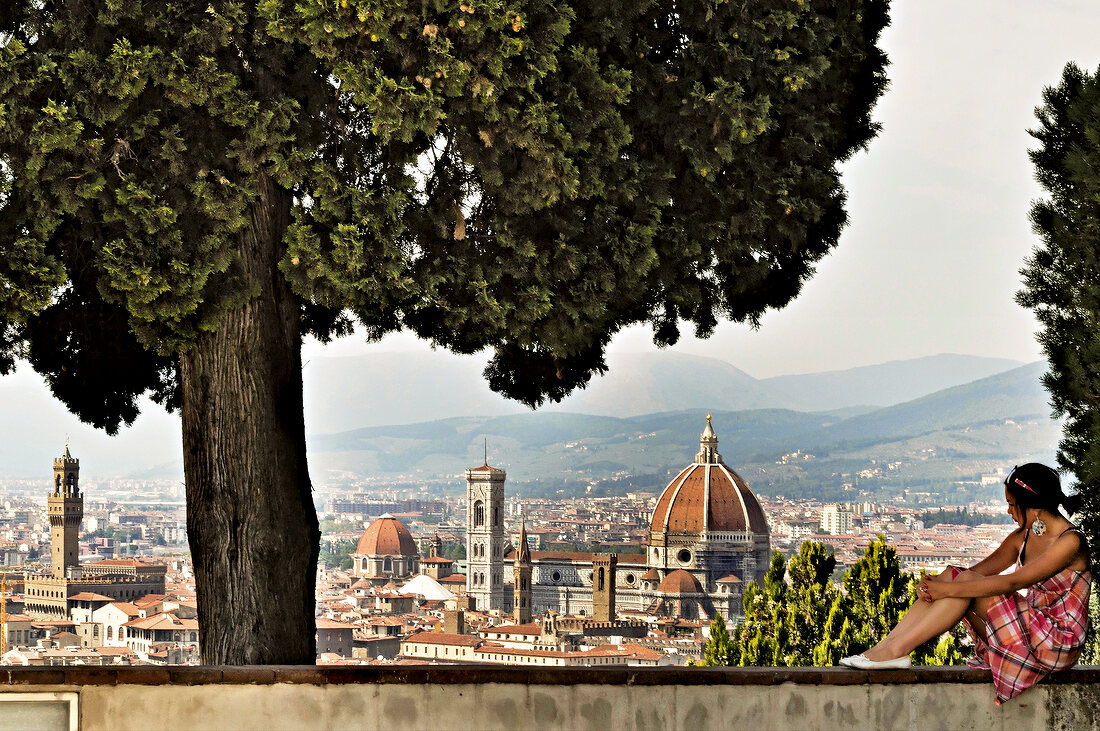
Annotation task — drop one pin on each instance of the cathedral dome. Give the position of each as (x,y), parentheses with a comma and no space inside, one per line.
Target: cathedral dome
(680,582)
(707,496)
(386,536)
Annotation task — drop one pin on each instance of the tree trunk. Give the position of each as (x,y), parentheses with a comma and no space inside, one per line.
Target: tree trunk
(250,516)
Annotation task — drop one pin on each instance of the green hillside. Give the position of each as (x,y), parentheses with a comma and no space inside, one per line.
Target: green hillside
(940,445)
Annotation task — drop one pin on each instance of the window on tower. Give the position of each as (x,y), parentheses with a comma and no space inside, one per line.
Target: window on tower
(479,514)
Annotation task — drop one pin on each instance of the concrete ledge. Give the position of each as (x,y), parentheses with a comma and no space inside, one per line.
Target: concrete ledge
(474,673)
(489,697)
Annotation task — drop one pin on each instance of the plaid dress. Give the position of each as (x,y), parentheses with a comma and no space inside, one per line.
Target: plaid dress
(1033,636)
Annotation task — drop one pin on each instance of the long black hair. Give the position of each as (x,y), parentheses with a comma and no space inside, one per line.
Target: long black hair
(1035,485)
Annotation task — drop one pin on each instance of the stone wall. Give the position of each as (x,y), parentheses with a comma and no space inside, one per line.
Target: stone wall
(440,696)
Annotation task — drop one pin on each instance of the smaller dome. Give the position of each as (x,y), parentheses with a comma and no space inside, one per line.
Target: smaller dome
(386,536)
(680,582)
(651,575)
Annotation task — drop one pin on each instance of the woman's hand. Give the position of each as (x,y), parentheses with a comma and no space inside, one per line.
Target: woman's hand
(930,589)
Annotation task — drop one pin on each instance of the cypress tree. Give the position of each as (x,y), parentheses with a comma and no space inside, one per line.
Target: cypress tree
(1062,275)
(716,653)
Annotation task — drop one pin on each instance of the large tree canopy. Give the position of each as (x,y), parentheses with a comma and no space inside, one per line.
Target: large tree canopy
(186,189)
(1062,277)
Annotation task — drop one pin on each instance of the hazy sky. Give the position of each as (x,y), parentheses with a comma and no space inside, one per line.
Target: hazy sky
(937,204)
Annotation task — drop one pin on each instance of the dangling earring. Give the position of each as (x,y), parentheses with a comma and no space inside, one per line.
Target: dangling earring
(1038,527)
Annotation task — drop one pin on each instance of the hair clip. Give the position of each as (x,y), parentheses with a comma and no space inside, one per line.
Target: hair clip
(1021,483)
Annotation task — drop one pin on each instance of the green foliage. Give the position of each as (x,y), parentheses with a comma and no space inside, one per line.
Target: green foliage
(783,624)
(340,526)
(961,516)
(800,618)
(1090,654)
(337,554)
(1062,276)
(717,650)
(878,592)
(813,566)
(945,650)
(117,532)
(454,551)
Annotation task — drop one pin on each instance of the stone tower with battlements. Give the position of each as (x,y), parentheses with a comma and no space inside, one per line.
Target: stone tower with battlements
(485,537)
(65,507)
(603,587)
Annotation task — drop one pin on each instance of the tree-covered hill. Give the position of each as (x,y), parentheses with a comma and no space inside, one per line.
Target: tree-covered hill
(933,444)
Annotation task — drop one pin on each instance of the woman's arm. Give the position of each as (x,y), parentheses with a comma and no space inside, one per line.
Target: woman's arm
(1003,557)
(1056,558)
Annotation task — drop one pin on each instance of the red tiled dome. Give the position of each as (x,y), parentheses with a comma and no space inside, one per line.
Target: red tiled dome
(386,536)
(708,496)
(680,582)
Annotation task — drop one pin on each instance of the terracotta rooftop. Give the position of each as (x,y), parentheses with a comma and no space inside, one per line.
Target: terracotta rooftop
(454,579)
(627,649)
(163,621)
(485,468)
(127,607)
(149,600)
(445,638)
(680,582)
(90,596)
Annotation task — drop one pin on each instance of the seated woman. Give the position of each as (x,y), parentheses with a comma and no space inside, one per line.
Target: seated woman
(1021,639)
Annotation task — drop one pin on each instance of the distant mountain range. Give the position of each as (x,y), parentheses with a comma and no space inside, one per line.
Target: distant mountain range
(405,388)
(428,415)
(954,434)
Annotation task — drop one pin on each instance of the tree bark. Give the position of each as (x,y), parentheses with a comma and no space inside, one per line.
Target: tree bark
(251,521)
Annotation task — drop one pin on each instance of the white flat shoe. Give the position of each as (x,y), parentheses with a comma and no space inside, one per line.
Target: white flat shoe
(860,662)
(850,661)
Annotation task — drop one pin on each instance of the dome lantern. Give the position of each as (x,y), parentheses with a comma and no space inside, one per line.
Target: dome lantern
(708,446)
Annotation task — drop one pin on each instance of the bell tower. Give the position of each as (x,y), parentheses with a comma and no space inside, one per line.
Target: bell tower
(485,537)
(521,578)
(65,507)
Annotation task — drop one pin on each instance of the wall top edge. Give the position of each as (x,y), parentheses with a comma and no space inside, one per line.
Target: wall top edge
(19,678)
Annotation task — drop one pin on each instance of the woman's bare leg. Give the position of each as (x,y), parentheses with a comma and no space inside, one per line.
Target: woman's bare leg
(926,620)
(916,612)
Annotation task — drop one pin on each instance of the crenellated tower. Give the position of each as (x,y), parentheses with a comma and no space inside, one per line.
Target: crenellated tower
(485,536)
(603,587)
(65,507)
